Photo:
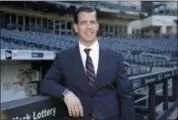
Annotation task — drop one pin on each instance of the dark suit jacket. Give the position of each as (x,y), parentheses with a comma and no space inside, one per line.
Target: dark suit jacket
(111,97)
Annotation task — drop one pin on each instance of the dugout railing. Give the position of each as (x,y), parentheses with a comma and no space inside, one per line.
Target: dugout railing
(44,107)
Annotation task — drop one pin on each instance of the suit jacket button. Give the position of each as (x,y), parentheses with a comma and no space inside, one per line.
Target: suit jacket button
(90,114)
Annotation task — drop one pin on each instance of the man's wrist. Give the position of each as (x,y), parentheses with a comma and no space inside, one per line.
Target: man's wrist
(65,93)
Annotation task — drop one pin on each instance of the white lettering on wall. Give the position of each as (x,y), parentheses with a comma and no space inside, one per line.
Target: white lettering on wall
(37,115)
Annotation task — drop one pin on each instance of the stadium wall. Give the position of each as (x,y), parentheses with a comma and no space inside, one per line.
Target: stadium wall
(13,74)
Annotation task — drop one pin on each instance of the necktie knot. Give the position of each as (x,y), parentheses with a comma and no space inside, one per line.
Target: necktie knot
(87,50)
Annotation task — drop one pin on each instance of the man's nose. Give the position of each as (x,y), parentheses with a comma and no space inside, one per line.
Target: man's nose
(89,25)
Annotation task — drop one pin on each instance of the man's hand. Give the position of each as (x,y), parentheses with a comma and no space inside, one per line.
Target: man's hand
(73,104)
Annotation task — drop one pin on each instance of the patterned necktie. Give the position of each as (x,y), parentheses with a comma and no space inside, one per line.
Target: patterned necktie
(89,68)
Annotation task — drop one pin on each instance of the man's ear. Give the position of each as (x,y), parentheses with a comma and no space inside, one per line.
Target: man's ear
(75,28)
(97,26)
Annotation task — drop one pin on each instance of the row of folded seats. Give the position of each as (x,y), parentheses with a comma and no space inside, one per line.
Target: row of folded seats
(123,44)
(38,38)
(154,62)
(149,45)
(12,43)
(49,41)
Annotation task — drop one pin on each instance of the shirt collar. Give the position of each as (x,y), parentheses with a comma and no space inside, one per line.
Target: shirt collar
(93,47)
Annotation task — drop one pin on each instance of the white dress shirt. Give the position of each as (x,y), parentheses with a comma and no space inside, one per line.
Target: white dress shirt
(94,54)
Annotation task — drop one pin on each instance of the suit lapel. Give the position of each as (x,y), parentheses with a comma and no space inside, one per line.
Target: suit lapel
(81,81)
(101,65)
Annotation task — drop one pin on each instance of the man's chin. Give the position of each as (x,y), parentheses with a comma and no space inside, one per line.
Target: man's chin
(90,40)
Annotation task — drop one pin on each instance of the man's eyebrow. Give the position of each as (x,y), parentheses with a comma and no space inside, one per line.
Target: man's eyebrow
(88,21)
(84,21)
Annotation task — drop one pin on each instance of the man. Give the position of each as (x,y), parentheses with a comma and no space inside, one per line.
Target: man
(90,78)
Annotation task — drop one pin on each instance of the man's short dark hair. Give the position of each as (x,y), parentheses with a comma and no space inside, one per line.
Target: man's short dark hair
(83,9)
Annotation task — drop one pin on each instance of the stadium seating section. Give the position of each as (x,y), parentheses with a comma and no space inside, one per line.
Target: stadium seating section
(141,54)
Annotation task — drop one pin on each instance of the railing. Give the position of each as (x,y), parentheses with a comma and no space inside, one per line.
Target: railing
(34,107)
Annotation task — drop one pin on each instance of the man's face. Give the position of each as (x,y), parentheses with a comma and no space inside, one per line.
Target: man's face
(87,27)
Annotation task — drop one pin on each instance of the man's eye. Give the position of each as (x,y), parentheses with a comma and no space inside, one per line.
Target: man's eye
(93,22)
(83,22)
